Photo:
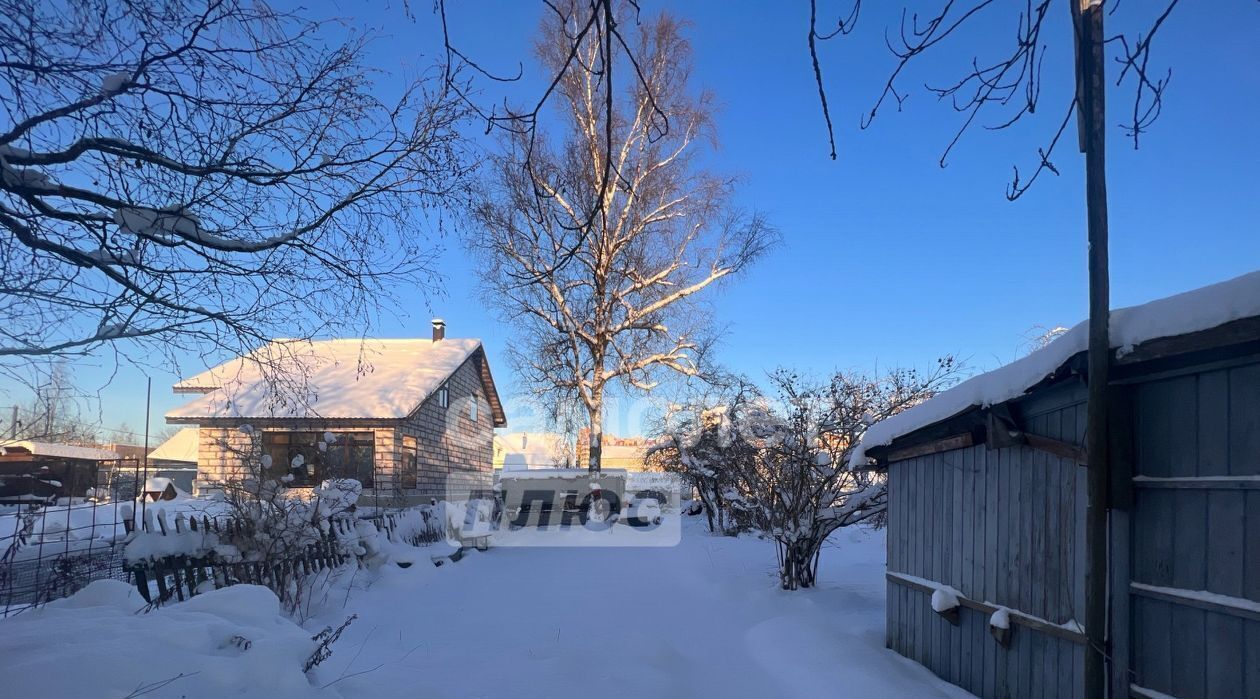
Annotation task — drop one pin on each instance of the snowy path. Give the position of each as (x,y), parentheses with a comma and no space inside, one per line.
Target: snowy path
(700,619)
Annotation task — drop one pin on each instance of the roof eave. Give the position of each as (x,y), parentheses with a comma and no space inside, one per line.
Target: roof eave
(1235,338)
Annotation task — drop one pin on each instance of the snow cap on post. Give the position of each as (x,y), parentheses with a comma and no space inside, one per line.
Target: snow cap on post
(439,329)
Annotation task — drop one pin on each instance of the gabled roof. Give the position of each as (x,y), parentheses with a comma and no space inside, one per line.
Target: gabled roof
(331,379)
(1181,314)
(181,447)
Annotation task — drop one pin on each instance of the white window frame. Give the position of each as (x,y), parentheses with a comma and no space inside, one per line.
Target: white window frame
(472,408)
(444,396)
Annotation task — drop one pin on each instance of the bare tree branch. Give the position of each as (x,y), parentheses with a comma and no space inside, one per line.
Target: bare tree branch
(1008,84)
(204,175)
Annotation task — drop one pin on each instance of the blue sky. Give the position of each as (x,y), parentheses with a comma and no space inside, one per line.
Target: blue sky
(887,259)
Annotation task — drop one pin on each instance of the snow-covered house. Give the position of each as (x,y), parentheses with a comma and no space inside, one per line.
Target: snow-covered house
(402,416)
(987,498)
(176,458)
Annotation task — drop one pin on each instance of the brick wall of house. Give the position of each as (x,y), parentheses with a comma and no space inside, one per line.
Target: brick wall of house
(450,445)
(222,453)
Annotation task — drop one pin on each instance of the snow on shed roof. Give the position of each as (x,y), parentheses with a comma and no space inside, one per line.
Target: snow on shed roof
(1187,312)
(374,378)
(64,451)
(180,447)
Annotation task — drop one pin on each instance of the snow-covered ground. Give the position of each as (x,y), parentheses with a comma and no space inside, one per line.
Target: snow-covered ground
(703,618)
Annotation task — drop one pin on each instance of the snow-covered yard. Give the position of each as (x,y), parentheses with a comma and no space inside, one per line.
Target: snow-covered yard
(704,618)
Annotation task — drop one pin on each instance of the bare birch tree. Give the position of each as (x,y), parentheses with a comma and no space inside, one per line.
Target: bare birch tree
(204,174)
(597,243)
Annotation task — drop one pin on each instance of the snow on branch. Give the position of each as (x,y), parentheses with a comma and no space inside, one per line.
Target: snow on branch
(199,176)
(775,462)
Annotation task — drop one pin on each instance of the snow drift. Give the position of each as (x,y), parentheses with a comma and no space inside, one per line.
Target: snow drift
(229,642)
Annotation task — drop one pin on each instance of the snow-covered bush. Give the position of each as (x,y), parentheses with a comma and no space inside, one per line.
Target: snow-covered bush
(274,523)
(700,444)
(777,462)
(418,526)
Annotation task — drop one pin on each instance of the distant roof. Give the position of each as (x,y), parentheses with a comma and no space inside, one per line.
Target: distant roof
(180,447)
(373,378)
(529,450)
(1192,311)
(64,451)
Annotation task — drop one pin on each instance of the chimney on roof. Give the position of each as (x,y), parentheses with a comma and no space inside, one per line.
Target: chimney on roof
(439,329)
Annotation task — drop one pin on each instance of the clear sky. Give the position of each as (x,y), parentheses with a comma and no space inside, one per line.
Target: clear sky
(887,259)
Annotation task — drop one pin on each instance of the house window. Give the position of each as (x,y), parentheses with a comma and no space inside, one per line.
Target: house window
(298,461)
(472,408)
(444,396)
(410,464)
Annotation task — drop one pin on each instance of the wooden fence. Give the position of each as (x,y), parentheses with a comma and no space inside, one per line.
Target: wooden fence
(181,576)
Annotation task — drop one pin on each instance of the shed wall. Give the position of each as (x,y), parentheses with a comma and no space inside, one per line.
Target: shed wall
(1195,529)
(1000,526)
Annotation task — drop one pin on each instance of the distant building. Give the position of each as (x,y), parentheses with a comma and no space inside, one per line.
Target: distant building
(520,451)
(629,453)
(126,451)
(33,472)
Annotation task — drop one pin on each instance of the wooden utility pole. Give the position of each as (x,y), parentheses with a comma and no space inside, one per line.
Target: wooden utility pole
(1092,111)
(143,481)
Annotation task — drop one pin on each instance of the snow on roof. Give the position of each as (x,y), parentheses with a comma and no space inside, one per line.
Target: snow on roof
(181,447)
(1191,311)
(64,451)
(381,378)
(157,484)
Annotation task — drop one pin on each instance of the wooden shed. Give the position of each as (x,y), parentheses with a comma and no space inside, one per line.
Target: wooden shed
(987,497)
(39,472)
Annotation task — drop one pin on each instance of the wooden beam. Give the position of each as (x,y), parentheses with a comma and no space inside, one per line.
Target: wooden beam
(1199,482)
(1017,617)
(958,441)
(1005,430)
(1237,332)
(970,420)
(1236,607)
(1057,447)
